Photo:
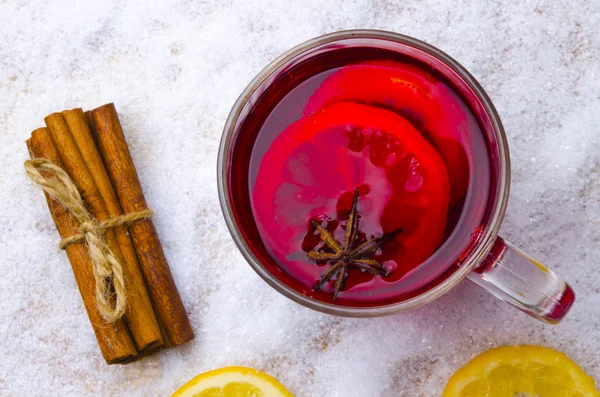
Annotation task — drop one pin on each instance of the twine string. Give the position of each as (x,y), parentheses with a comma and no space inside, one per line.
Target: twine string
(110,293)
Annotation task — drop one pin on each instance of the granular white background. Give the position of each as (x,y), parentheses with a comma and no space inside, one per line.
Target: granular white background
(174,70)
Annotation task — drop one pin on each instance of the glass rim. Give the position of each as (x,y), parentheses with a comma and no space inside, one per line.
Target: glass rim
(498,206)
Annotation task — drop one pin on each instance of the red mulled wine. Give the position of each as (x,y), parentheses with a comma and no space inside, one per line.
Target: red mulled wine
(367,131)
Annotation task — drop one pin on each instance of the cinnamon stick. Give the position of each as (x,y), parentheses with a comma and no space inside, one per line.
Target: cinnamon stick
(108,134)
(140,315)
(114,341)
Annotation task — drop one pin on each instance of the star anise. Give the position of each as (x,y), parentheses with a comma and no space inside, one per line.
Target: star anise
(347,256)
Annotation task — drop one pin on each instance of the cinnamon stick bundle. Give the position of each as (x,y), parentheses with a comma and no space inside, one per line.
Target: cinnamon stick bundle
(92,150)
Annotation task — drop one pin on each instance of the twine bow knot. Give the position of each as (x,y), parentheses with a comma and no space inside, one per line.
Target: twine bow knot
(108,272)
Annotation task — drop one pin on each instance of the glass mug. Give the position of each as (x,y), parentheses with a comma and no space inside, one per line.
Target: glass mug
(489,261)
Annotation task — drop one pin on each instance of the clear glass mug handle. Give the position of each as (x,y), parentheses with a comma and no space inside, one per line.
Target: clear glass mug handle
(515,277)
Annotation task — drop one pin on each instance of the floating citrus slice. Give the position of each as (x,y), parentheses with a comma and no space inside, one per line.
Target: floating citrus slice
(521,371)
(431,106)
(314,166)
(233,382)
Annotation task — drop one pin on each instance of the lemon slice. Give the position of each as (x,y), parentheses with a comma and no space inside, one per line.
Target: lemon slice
(531,371)
(233,382)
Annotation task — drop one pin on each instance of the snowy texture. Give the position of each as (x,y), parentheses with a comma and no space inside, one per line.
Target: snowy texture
(174,69)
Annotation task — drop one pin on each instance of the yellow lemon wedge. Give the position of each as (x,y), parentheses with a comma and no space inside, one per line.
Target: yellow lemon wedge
(531,371)
(233,382)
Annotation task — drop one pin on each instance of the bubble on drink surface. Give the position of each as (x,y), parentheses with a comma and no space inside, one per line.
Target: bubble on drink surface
(413,183)
(390,265)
